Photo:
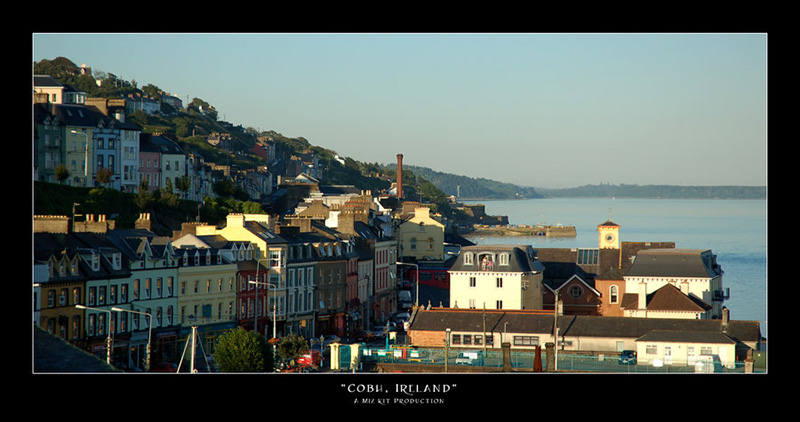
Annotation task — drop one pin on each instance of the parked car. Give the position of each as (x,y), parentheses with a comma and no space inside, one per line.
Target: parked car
(627,357)
(312,358)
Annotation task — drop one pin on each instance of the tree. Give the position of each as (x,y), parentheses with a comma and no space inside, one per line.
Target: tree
(292,346)
(183,183)
(61,173)
(239,350)
(104,176)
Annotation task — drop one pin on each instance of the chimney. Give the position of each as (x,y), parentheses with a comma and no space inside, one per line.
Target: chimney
(143,222)
(400,176)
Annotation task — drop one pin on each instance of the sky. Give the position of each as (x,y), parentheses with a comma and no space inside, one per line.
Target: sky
(547,110)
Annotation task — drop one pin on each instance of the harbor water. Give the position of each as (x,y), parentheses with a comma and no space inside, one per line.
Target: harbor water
(734,230)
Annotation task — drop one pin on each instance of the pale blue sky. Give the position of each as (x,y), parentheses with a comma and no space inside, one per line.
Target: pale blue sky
(544,110)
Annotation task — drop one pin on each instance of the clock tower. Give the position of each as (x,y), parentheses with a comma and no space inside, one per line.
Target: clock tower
(608,235)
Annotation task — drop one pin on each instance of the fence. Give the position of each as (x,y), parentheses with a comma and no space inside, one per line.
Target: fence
(520,361)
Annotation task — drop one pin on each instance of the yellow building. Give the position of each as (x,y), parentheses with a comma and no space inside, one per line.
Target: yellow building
(421,237)
(272,252)
(207,292)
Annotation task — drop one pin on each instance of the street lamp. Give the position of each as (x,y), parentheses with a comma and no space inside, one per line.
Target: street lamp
(417,274)
(149,331)
(446,347)
(258,267)
(272,287)
(109,341)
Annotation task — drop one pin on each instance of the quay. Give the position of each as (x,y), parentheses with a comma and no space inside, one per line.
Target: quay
(525,230)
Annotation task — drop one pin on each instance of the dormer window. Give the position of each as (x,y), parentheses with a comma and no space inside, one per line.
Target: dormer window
(468,259)
(116,260)
(95,261)
(504,259)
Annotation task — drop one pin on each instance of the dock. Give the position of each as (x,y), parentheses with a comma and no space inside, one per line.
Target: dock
(525,230)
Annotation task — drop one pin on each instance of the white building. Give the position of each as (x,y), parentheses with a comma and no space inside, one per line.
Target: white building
(694,272)
(496,277)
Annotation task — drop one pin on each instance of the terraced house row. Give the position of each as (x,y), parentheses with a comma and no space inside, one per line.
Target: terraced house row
(95,284)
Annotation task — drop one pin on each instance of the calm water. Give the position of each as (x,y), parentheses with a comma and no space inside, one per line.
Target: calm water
(735,230)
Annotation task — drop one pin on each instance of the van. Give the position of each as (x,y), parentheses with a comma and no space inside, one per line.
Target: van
(707,364)
(467,358)
(404,299)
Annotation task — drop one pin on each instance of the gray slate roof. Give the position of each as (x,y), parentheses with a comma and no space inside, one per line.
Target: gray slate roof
(519,259)
(675,263)
(575,325)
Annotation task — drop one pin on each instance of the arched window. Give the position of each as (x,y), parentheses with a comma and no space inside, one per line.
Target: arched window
(613,295)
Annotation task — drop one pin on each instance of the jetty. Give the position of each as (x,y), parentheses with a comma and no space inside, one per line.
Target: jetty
(525,230)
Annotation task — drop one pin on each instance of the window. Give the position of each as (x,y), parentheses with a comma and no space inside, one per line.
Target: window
(504,259)
(473,282)
(499,282)
(575,291)
(455,339)
(413,243)
(613,294)
(588,256)
(62,297)
(526,340)
(499,304)
(275,259)
(468,259)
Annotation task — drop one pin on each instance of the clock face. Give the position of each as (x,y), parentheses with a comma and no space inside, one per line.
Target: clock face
(609,238)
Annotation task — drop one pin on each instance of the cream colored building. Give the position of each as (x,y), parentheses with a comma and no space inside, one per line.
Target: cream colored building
(496,277)
(421,237)
(272,252)
(694,271)
(672,347)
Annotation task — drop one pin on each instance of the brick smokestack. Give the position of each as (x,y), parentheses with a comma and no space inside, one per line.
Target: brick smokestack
(400,176)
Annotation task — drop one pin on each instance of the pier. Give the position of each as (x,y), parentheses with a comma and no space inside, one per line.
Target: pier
(525,230)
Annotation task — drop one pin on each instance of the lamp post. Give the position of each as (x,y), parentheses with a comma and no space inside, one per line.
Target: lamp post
(272,287)
(446,347)
(258,267)
(149,331)
(109,341)
(417,274)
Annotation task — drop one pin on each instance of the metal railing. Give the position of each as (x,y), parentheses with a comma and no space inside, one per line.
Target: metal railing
(520,361)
